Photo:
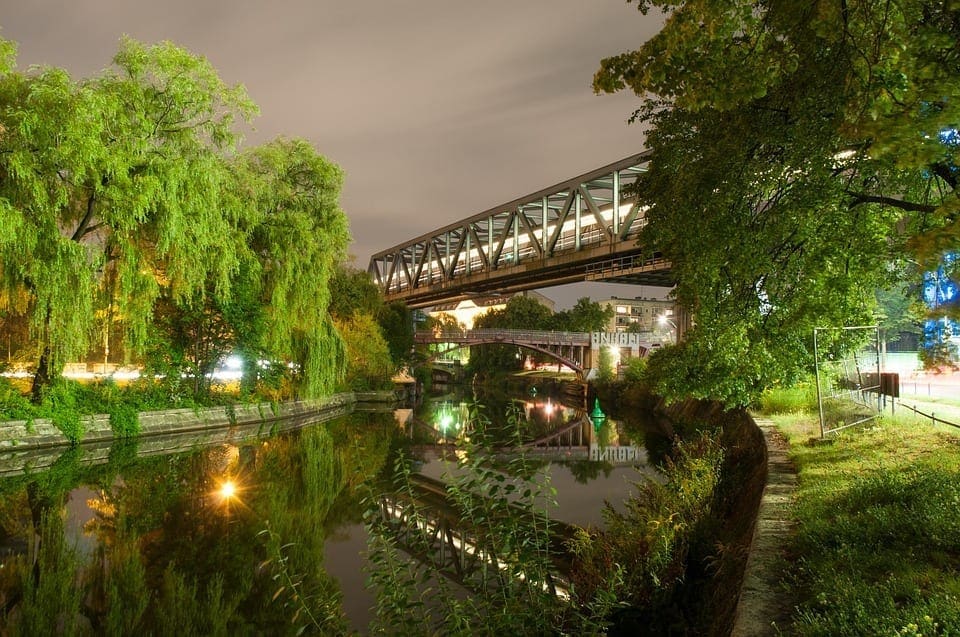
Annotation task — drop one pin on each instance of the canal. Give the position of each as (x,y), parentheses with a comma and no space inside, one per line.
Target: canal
(267,535)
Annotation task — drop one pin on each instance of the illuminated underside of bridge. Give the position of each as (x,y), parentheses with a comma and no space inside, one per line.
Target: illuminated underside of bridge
(584,229)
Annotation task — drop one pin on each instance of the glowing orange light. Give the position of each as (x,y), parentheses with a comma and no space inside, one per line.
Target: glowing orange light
(228,490)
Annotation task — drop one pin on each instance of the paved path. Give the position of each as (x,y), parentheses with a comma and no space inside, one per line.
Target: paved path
(764,608)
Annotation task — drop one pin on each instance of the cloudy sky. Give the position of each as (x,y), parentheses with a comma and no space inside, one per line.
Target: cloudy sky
(435,109)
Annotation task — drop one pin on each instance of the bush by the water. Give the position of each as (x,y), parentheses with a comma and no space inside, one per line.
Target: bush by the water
(647,544)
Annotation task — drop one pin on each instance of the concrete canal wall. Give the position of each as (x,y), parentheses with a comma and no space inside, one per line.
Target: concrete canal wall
(36,445)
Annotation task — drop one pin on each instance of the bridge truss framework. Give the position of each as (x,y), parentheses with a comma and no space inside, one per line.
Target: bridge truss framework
(585,228)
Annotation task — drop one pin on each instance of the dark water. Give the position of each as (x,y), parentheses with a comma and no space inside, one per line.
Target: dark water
(128,543)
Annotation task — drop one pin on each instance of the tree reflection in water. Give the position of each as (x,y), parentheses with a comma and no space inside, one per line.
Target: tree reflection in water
(160,549)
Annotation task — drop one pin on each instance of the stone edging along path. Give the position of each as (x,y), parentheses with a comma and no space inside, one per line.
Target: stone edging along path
(764,608)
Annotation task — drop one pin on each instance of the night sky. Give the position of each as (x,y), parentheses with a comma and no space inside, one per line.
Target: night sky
(435,109)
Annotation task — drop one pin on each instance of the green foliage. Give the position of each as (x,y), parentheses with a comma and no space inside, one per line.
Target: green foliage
(396,323)
(585,316)
(353,290)
(127,595)
(733,368)
(300,228)
(124,421)
(124,194)
(899,311)
(13,404)
(943,355)
(184,608)
(877,530)
(800,397)
(60,401)
(605,371)
(636,370)
(819,138)
(508,508)
(647,544)
(369,365)
(321,611)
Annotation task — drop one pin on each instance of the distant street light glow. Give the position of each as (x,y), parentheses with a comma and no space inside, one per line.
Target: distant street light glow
(228,490)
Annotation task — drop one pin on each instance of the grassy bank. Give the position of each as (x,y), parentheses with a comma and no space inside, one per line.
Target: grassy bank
(877,549)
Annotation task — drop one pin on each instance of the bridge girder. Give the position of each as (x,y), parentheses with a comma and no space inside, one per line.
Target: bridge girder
(557,235)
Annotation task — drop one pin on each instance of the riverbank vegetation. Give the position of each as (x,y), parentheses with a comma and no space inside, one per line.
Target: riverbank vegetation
(136,230)
(823,137)
(876,549)
(667,561)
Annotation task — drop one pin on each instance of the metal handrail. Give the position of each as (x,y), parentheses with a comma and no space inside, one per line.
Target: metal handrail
(512,334)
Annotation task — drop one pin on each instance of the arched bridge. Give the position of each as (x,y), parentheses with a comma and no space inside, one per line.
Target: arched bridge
(570,348)
(583,229)
(573,349)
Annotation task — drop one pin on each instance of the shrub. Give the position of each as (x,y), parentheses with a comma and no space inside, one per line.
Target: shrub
(60,402)
(650,540)
(801,397)
(635,370)
(124,420)
(13,404)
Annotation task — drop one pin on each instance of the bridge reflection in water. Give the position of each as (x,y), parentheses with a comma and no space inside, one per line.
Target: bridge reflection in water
(434,523)
(575,439)
(425,523)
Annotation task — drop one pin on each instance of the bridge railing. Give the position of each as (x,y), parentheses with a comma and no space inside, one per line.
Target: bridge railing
(526,336)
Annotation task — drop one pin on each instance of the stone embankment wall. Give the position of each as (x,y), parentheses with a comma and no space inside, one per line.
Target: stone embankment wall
(732,599)
(36,445)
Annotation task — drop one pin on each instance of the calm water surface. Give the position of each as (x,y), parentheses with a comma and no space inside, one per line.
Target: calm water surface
(252,533)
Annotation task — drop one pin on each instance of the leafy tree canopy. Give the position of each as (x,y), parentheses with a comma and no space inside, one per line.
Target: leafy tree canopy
(121,187)
(520,312)
(799,149)
(585,316)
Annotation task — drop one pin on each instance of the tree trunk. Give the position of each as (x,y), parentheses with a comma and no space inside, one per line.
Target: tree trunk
(41,378)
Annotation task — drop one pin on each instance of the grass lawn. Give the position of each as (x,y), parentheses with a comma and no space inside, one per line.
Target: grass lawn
(877,550)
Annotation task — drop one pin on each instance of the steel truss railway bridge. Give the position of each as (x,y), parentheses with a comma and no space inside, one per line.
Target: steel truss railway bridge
(584,229)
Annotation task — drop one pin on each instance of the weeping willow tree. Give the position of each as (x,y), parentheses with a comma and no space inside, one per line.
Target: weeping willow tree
(120,188)
(299,237)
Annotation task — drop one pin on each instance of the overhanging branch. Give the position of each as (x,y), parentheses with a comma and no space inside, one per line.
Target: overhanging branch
(912,206)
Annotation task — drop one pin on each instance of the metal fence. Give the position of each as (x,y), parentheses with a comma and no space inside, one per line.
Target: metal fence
(933,418)
(847,361)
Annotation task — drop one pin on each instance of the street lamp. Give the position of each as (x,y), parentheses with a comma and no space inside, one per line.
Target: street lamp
(663,321)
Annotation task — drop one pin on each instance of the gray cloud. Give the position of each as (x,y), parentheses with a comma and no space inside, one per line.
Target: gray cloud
(436,109)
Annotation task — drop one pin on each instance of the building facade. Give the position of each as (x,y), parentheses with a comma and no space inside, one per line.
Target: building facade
(642,315)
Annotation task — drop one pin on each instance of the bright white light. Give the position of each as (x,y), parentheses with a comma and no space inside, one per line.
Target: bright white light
(446,422)
(227,490)
(233,362)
